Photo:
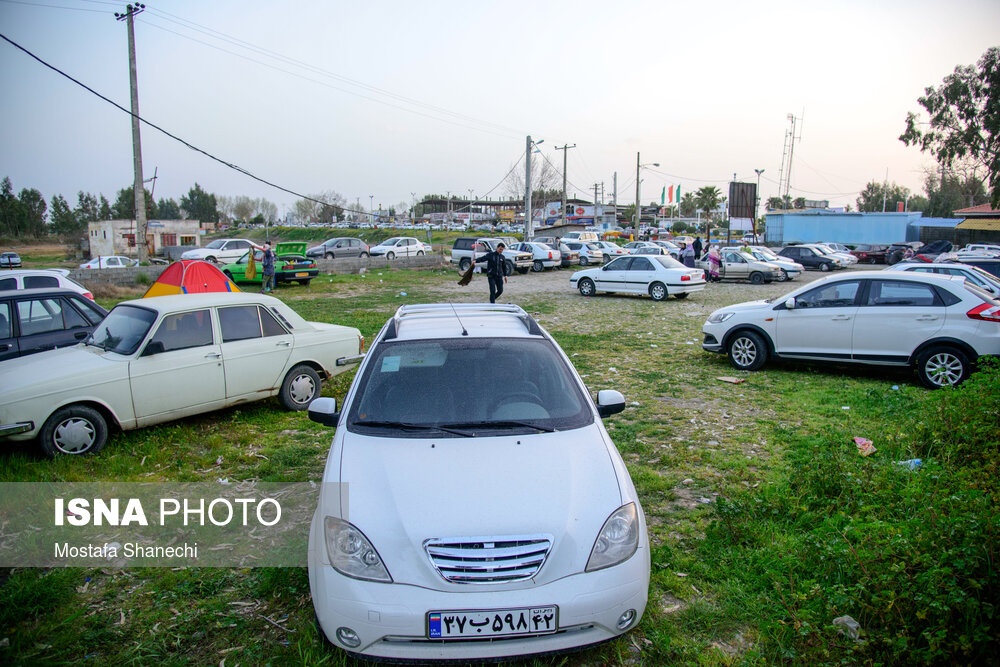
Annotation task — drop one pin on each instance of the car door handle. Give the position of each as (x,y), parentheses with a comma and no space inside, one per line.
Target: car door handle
(927,318)
(5,347)
(213,355)
(283,343)
(840,318)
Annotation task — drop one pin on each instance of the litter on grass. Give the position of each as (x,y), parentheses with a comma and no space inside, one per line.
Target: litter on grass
(865,446)
(730,379)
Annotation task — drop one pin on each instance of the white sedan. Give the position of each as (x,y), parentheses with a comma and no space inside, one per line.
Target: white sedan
(221,251)
(543,256)
(611,250)
(162,358)
(398,246)
(659,276)
(109,262)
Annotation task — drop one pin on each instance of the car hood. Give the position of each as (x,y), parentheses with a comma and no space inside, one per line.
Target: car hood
(405,491)
(75,367)
(748,306)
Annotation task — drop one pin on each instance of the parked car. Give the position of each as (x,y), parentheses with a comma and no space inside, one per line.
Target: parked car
(845,258)
(481,525)
(290,265)
(671,249)
(810,258)
(109,262)
(162,358)
(398,246)
(928,252)
(35,278)
(584,236)
(982,248)
(870,253)
(978,277)
(589,252)
(542,256)
(939,325)
(33,320)
(568,257)
(897,251)
(659,276)
(790,269)
(465,247)
(632,246)
(738,265)
(10,260)
(221,251)
(611,250)
(347,246)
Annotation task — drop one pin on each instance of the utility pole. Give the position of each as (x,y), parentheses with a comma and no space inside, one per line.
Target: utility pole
(596,185)
(564,148)
(137,183)
(528,231)
(614,197)
(637,205)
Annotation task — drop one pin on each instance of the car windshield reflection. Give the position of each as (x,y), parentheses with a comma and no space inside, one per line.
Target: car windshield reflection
(123,329)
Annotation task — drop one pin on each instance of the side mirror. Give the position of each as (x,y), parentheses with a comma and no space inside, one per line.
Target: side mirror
(790,303)
(155,347)
(324,411)
(609,402)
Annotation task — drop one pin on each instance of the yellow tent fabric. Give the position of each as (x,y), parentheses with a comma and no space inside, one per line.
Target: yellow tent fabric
(991,224)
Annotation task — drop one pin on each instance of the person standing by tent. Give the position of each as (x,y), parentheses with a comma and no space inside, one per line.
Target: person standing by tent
(267,265)
(494,261)
(697,247)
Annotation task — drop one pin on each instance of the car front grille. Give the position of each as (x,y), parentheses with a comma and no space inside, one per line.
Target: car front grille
(488,560)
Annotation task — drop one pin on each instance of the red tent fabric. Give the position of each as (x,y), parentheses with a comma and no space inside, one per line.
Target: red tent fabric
(191,276)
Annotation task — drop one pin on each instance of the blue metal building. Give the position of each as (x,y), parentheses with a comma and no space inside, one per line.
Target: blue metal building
(783,228)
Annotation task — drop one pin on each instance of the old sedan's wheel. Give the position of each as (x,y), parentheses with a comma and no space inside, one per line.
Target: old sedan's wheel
(537,266)
(329,255)
(756,278)
(523,270)
(747,351)
(420,253)
(390,255)
(75,429)
(825,266)
(584,261)
(300,388)
(658,291)
(363,255)
(784,277)
(607,258)
(508,268)
(211,259)
(587,287)
(942,366)
(464,264)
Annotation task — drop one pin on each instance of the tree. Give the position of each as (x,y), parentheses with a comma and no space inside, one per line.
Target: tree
(63,219)
(708,199)
(689,205)
(546,182)
(799,203)
(774,203)
(34,207)
(199,205)
(167,209)
(953,191)
(964,121)
(11,213)
(877,198)
(88,209)
(124,206)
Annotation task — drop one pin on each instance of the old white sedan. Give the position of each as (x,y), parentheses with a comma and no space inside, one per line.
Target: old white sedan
(162,358)
(659,276)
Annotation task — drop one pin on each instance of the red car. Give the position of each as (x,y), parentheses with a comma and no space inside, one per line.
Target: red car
(870,254)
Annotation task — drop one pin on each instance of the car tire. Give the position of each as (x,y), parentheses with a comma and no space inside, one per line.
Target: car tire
(363,255)
(756,278)
(304,282)
(784,277)
(871,260)
(329,255)
(681,295)
(227,274)
(300,387)
(587,287)
(212,260)
(420,253)
(74,430)
(607,258)
(658,291)
(942,366)
(390,255)
(747,351)
(464,264)
(508,268)
(584,261)
(537,266)
(522,271)
(824,267)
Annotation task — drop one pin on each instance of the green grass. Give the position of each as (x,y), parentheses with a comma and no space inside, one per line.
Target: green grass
(765,524)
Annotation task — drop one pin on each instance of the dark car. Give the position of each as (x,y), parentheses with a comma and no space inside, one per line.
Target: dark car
(33,320)
(346,246)
(870,254)
(808,258)
(10,260)
(896,251)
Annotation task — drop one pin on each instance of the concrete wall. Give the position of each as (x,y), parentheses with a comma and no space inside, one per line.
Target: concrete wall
(127,276)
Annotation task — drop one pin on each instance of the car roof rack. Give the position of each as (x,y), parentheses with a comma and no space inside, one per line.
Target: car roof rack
(451,310)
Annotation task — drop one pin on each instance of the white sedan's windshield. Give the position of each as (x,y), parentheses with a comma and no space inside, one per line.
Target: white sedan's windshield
(216,244)
(123,329)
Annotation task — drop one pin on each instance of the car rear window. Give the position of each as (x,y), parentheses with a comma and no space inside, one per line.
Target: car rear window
(40,281)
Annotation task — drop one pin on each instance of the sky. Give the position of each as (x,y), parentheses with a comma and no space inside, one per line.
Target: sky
(384,101)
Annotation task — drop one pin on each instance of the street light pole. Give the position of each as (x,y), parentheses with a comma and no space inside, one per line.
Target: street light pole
(371,208)
(638,205)
(756,208)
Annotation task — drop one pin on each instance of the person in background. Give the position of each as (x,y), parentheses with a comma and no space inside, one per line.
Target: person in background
(267,270)
(697,247)
(494,261)
(687,254)
(714,262)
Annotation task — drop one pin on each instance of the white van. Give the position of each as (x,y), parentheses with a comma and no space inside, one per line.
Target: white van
(586,237)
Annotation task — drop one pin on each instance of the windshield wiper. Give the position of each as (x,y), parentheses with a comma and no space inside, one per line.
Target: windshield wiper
(500,423)
(406,425)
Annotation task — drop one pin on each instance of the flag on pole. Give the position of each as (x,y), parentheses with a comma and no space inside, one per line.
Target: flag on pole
(663,195)
(678,193)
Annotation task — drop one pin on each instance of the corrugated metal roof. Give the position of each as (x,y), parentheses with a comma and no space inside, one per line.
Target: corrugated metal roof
(991,224)
(949,223)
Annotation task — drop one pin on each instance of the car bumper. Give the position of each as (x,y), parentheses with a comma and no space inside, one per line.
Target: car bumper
(711,343)
(391,619)
(16,428)
(687,287)
(290,276)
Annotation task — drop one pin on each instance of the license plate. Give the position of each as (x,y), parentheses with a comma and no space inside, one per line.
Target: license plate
(303,274)
(492,622)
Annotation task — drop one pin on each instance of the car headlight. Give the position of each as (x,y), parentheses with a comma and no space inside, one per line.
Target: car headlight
(351,553)
(618,539)
(716,318)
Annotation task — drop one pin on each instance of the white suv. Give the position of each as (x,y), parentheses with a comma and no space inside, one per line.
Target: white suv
(483,523)
(938,324)
(220,251)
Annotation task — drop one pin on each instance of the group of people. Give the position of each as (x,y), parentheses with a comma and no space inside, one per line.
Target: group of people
(690,252)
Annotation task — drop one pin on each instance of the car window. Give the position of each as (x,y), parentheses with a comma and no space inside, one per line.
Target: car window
(123,329)
(181,331)
(641,264)
(901,293)
(88,309)
(40,281)
(831,295)
(732,258)
(419,382)
(668,262)
(8,283)
(43,315)
(245,322)
(5,321)
(618,264)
